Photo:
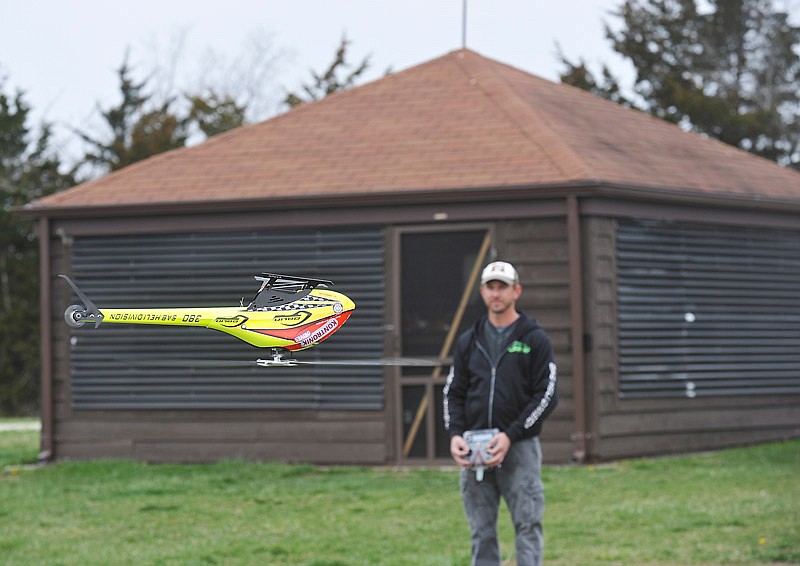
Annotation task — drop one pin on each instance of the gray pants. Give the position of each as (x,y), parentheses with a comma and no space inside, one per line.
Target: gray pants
(519,481)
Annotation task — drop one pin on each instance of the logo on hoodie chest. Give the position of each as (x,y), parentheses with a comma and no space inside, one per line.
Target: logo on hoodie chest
(518,347)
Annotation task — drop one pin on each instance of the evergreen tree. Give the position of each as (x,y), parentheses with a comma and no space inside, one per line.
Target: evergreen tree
(216,114)
(731,70)
(28,170)
(139,127)
(579,75)
(333,79)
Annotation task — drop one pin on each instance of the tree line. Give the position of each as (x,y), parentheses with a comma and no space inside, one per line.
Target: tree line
(728,69)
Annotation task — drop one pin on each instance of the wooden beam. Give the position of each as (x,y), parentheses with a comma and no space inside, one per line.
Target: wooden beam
(577,326)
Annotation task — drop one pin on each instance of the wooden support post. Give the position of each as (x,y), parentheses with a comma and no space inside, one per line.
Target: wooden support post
(577,326)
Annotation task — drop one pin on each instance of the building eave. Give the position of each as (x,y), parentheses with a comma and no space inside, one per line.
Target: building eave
(583,188)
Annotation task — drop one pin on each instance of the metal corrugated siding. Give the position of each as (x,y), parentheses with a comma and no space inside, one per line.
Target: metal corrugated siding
(707,310)
(108,370)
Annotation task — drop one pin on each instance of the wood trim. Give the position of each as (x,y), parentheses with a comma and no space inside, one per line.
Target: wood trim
(445,215)
(576,292)
(46,348)
(393,400)
(688,212)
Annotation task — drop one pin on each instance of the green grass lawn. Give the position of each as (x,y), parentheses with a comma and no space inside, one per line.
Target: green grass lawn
(731,507)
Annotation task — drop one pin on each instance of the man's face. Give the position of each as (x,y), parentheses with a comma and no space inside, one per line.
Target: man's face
(500,297)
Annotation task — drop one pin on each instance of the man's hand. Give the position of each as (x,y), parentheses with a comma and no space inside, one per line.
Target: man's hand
(498,448)
(459,451)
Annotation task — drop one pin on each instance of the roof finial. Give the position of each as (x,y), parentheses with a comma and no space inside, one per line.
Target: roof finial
(464,25)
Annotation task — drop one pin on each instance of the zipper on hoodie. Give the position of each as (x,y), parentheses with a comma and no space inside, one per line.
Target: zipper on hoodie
(494,364)
(493,379)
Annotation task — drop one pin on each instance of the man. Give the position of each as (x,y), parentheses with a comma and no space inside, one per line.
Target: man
(504,377)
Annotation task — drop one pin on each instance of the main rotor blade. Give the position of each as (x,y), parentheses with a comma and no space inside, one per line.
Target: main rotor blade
(370,362)
(186,362)
(281,362)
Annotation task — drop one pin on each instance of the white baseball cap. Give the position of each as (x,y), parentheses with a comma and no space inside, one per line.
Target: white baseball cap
(500,271)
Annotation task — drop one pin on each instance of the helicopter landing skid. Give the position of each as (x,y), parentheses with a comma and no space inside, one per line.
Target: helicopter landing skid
(276,361)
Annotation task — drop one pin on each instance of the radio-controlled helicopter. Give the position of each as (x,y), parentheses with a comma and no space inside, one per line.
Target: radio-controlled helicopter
(287,314)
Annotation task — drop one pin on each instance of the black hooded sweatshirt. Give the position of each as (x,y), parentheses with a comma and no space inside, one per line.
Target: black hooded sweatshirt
(514,392)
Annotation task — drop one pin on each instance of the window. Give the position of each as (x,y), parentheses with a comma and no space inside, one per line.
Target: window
(706,310)
(435,268)
(209,269)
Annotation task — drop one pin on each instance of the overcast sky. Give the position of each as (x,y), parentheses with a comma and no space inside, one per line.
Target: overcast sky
(64,54)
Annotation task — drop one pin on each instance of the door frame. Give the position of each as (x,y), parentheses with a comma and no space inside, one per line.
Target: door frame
(393,342)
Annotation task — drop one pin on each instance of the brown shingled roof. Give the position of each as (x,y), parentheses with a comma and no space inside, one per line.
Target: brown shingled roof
(460,121)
